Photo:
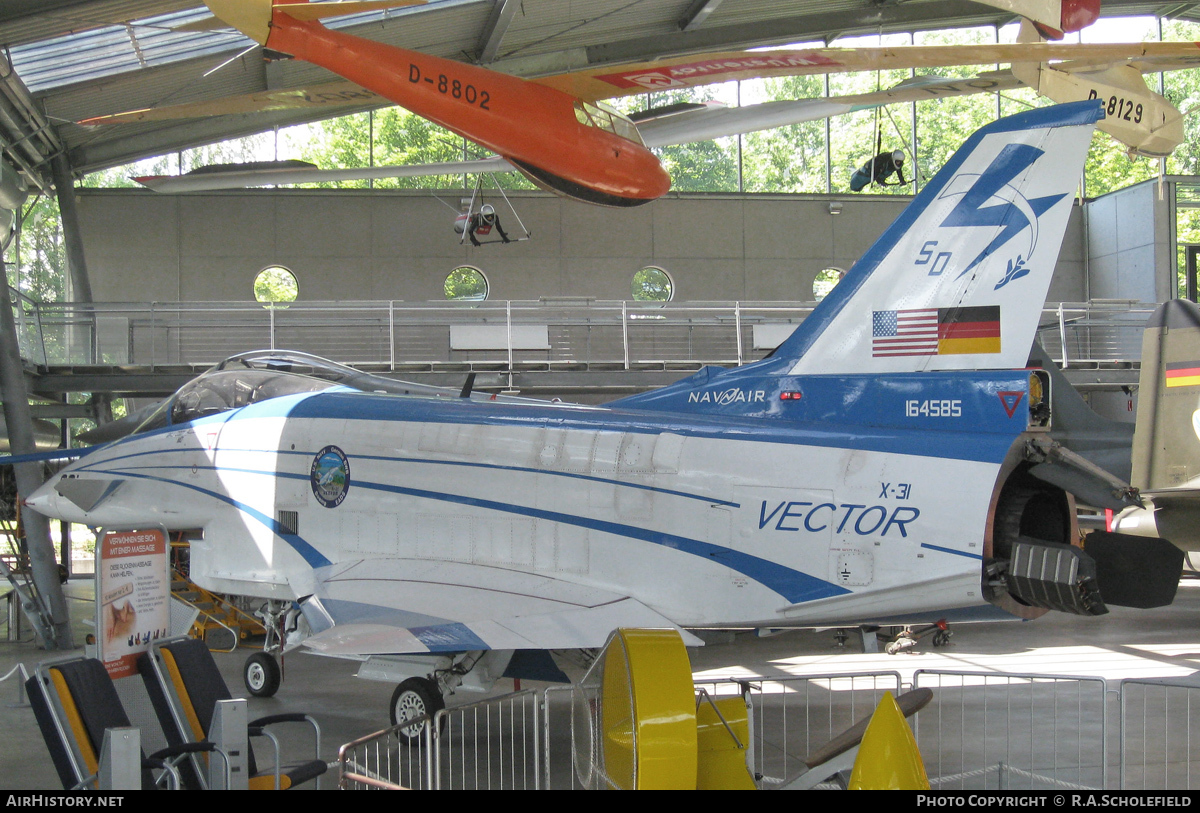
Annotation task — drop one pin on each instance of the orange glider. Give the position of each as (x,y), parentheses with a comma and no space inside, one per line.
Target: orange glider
(556,140)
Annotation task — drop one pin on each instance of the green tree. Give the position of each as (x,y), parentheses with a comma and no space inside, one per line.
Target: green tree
(466,284)
(36,260)
(651,285)
(389,136)
(275,285)
(785,159)
(123,176)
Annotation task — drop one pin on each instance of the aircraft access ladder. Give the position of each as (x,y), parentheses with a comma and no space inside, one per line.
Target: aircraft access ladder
(216,613)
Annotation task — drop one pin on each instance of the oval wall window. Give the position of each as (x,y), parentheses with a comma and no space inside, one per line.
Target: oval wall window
(825,281)
(652,284)
(275,286)
(466,284)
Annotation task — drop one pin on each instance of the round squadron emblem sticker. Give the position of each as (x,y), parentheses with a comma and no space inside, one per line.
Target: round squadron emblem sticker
(330,476)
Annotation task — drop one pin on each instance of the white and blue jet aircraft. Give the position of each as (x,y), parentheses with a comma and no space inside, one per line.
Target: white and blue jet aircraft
(891,462)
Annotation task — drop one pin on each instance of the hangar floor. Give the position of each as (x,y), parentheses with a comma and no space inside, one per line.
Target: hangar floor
(1125,644)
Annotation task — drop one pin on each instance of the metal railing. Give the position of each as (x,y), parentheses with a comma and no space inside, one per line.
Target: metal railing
(981,731)
(545,334)
(1098,332)
(29,335)
(1160,737)
(793,717)
(495,744)
(985,730)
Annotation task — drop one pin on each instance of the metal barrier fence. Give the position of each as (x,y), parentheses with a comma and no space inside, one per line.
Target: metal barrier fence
(793,717)
(989,731)
(981,731)
(496,744)
(1094,333)
(1158,733)
(507,334)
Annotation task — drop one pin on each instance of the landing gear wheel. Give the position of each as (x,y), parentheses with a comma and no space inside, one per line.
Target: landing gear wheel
(414,698)
(261,675)
(941,638)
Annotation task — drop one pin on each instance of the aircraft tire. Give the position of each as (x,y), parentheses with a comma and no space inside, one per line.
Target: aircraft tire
(413,698)
(261,675)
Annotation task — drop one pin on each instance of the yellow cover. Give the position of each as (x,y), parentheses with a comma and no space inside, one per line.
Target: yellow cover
(648,711)
(888,758)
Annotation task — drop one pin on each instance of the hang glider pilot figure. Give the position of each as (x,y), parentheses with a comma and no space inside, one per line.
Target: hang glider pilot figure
(878,170)
(482,222)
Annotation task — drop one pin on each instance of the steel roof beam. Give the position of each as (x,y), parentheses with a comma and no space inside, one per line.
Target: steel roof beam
(1174,11)
(866,20)
(498,22)
(697,14)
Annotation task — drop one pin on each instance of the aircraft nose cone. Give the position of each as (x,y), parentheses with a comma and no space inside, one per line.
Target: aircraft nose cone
(43,499)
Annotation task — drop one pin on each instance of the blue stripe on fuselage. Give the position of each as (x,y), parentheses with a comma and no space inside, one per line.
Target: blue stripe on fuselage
(955,445)
(311,555)
(795,586)
(94,467)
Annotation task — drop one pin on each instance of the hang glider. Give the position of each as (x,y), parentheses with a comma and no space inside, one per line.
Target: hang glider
(556,131)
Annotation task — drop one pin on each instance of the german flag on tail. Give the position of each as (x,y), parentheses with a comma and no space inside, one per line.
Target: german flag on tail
(969,330)
(935,331)
(1183,373)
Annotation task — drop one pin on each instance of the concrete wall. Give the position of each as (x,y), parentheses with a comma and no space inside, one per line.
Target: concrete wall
(1131,244)
(363,245)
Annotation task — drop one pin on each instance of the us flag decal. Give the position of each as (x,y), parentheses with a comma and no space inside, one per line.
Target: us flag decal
(935,331)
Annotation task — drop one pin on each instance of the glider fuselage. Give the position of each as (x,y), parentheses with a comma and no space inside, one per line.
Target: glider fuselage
(547,134)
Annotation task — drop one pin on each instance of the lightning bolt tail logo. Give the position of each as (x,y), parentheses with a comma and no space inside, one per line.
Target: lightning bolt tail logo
(992,201)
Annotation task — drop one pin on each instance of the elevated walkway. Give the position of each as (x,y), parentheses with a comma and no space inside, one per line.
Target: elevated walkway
(567,347)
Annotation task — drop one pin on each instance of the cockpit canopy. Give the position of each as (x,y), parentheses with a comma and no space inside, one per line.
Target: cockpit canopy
(602,116)
(222,390)
(260,375)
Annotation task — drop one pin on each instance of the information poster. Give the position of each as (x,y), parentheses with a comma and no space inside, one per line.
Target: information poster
(133,592)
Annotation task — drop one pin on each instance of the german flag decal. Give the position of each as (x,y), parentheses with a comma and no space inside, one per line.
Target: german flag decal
(969,330)
(935,331)
(1183,373)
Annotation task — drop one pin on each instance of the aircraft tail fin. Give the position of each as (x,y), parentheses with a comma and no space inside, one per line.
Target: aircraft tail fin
(958,281)
(1144,121)
(253,17)
(1053,17)
(1166,438)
